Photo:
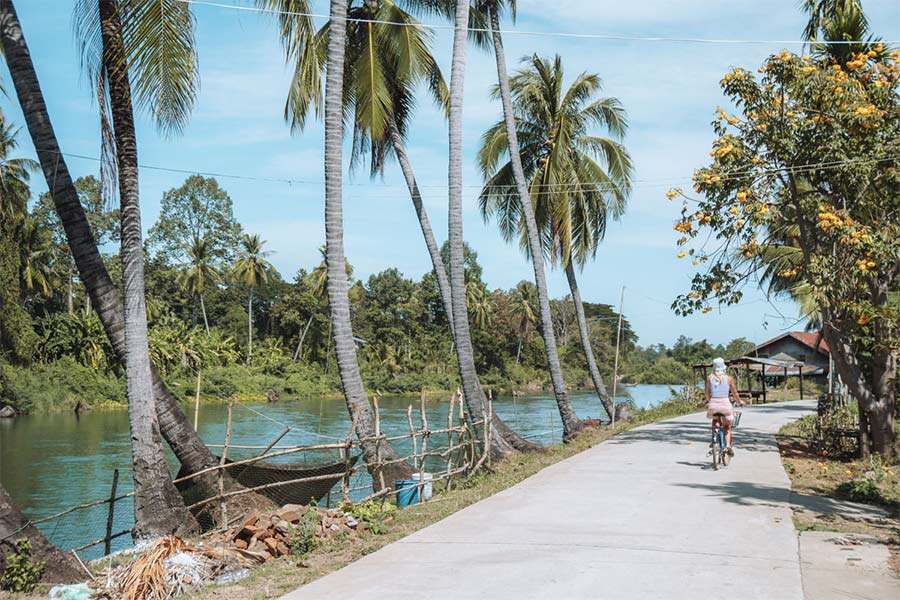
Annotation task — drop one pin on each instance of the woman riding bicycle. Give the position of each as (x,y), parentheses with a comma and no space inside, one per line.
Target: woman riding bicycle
(719,389)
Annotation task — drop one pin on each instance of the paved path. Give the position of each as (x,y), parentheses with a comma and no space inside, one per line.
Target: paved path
(640,517)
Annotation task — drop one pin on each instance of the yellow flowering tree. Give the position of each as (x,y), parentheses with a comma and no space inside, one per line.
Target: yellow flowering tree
(802,196)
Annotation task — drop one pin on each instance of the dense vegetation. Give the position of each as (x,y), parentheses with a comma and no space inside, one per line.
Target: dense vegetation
(399,321)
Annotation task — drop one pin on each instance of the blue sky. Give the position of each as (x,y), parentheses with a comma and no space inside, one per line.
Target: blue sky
(670,91)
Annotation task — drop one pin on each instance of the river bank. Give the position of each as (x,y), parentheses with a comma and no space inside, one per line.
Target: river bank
(60,386)
(51,462)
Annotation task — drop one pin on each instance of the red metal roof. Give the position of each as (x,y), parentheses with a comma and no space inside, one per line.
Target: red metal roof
(806,338)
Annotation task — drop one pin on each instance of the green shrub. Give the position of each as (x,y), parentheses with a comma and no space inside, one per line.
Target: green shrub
(21,574)
(373,514)
(303,537)
(58,385)
(861,490)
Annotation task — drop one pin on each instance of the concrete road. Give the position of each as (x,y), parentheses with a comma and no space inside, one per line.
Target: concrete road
(639,517)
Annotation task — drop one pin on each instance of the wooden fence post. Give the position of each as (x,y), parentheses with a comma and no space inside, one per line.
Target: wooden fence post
(224,505)
(197,402)
(378,442)
(424,420)
(107,544)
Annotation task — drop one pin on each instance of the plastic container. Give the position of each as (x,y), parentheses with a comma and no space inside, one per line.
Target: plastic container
(407,492)
(428,488)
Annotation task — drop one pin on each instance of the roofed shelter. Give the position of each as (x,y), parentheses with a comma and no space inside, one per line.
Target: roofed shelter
(796,353)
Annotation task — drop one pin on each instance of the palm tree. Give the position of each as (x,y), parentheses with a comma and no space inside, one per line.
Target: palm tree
(251,269)
(339,302)
(571,423)
(578,181)
(158,507)
(524,299)
(15,173)
(199,273)
(503,440)
(837,20)
(178,431)
(37,254)
(14,525)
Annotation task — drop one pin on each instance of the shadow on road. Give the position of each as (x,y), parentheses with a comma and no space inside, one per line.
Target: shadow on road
(679,433)
(744,493)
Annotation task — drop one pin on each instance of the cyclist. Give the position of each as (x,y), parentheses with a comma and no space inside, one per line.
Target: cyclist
(719,388)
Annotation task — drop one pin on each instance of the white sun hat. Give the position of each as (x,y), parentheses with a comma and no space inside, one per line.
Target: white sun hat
(718,365)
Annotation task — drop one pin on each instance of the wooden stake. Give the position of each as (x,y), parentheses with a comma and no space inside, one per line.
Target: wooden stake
(197,402)
(424,422)
(378,441)
(224,505)
(450,439)
(348,465)
(109,518)
(412,434)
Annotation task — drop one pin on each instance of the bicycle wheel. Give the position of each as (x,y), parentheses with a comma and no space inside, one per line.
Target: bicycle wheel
(714,450)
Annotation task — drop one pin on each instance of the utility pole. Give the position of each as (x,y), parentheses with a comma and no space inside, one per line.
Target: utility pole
(616,367)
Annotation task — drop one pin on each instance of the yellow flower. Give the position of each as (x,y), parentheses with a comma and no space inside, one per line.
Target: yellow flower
(681,254)
(848,472)
(708,309)
(733,120)
(671,194)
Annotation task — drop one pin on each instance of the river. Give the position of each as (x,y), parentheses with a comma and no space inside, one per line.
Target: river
(52,462)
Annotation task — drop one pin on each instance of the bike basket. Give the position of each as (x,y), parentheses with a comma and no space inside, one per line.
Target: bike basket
(736,420)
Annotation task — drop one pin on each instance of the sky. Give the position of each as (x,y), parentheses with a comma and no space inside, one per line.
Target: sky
(669,89)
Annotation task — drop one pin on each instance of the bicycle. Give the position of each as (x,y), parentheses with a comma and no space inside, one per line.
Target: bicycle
(717,448)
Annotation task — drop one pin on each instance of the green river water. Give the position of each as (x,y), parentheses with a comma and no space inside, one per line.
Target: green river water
(49,463)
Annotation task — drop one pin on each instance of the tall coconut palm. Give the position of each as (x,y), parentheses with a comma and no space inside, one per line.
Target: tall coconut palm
(37,256)
(15,173)
(837,20)
(199,273)
(524,300)
(577,180)
(252,270)
(374,453)
(175,427)
(158,507)
(501,438)
(571,423)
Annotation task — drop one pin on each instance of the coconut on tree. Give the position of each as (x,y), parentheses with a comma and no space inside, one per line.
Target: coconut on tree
(577,180)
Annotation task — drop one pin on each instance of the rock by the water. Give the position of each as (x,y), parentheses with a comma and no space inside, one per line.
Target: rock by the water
(272,396)
(623,412)
(7,412)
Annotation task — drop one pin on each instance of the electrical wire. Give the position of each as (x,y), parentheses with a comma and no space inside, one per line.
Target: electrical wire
(535,33)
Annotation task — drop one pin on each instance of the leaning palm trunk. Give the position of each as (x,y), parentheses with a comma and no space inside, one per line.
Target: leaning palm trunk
(586,341)
(571,423)
(59,567)
(375,452)
(250,327)
(190,450)
(203,310)
(503,440)
(440,272)
(158,508)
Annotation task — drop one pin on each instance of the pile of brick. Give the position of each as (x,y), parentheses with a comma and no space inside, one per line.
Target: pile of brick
(269,536)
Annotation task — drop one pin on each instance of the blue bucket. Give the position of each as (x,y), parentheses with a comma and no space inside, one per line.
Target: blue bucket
(407,492)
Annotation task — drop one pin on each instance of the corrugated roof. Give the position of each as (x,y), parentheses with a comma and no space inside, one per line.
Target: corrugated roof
(810,339)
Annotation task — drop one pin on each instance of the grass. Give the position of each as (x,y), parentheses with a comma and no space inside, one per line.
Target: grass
(839,475)
(278,577)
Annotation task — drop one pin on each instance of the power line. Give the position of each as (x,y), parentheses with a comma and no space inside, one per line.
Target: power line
(537,33)
(601,185)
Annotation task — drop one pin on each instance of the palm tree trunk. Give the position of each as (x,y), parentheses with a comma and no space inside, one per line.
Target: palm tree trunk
(250,327)
(70,290)
(158,508)
(302,337)
(586,340)
(571,423)
(59,567)
(345,351)
(503,440)
(190,450)
(440,271)
(203,310)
